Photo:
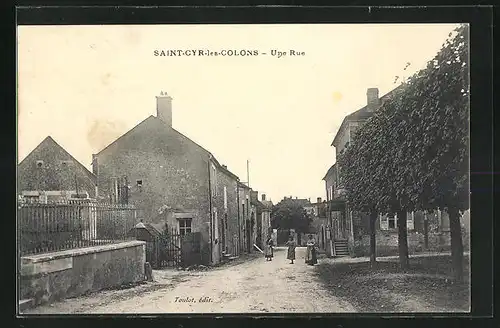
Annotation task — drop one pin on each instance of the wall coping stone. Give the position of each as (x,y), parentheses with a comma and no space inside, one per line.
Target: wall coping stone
(79,252)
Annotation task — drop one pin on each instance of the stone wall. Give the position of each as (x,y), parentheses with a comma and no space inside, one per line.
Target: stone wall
(387,243)
(50,277)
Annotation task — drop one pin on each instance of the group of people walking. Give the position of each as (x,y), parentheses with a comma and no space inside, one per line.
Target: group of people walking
(310,258)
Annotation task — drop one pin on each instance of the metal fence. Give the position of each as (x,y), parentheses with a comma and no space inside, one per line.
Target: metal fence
(72,224)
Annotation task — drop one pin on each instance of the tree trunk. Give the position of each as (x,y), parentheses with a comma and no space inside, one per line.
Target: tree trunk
(373,254)
(426,232)
(403,240)
(457,248)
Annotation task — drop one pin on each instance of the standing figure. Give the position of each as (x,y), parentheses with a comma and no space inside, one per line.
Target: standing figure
(268,249)
(291,249)
(311,258)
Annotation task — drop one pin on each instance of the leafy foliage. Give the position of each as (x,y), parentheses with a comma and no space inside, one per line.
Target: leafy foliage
(289,214)
(413,152)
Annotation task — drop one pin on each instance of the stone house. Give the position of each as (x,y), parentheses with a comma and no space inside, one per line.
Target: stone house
(246,229)
(265,215)
(172,179)
(50,173)
(263,219)
(348,231)
(320,223)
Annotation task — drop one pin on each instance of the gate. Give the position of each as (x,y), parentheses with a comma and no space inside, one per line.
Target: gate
(191,249)
(173,250)
(167,250)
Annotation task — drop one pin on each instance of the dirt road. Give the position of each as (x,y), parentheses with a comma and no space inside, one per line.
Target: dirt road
(255,286)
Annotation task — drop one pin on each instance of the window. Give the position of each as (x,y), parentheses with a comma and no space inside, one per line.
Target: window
(139,185)
(216,224)
(184,226)
(66,163)
(384,224)
(39,164)
(410,221)
(213,177)
(392,221)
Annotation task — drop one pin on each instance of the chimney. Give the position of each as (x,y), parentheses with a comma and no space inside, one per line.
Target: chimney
(318,200)
(372,99)
(164,108)
(224,166)
(263,196)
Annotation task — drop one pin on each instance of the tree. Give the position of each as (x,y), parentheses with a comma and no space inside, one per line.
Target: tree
(437,137)
(413,153)
(289,214)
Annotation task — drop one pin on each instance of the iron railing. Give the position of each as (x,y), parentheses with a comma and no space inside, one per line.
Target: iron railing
(72,224)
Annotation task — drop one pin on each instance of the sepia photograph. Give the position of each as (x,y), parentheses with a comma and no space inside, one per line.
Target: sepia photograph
(247,168)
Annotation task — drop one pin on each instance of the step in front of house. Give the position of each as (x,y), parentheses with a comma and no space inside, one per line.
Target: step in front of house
(26,304)
(341,248)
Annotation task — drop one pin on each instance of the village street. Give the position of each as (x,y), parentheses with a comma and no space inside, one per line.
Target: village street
(251,286)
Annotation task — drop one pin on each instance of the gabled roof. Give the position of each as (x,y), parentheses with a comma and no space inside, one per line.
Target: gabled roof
(244,186)
(152,118)
(50,142)
(362,114)
(154,229)
(300,201)
(267,203)
(329,172)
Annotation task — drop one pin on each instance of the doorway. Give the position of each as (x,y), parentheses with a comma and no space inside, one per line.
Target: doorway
(224,231)
(249,236)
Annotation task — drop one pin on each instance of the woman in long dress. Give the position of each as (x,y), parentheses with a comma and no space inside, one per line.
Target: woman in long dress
(311,258)
(291,249)
(268,249)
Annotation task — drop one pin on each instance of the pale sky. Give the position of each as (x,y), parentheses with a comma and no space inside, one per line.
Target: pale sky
(87,85)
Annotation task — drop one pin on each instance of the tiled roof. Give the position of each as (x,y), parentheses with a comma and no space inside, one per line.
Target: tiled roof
(363,113)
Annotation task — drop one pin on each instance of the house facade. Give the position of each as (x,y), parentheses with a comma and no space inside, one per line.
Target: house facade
(225,210)
(347,230)
(341,223)
(265,215)
(246,228)
(50,173)
(172,179)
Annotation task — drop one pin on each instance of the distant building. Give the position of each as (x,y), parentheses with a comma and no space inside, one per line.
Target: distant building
(266,210)
(171,178)
(50,173)
(262,226)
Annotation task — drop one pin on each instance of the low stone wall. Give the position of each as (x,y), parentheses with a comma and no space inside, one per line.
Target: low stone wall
(387,243)
(54,276)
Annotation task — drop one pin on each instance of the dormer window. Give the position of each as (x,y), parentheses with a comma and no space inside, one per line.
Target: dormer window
(39,164)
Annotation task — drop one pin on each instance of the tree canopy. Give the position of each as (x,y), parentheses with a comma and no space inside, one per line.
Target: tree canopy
(289,214)
(413,152)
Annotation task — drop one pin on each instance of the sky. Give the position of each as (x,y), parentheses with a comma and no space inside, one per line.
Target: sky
(87,85)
